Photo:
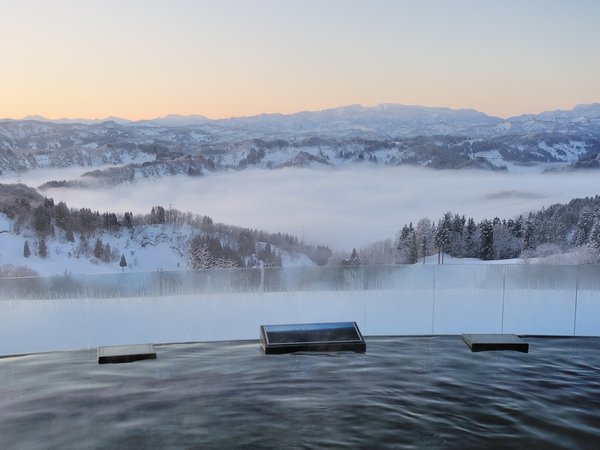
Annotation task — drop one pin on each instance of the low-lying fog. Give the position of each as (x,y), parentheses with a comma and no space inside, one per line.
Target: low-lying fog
(343,208)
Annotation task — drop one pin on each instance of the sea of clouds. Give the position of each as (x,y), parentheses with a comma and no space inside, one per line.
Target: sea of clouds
(343,208)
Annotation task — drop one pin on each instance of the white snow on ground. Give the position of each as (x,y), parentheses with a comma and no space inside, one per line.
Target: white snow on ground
(579,255)
(141,254)
(295,260)
(566,152)
(147,248)
(493,156)
(433,259)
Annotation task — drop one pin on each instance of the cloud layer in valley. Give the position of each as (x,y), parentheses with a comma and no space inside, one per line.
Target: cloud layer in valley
(341,208)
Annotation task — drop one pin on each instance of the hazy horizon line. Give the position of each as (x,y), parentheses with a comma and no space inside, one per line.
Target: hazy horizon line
(116,116)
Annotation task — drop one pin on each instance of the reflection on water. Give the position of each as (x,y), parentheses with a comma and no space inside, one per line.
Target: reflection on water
(403,393)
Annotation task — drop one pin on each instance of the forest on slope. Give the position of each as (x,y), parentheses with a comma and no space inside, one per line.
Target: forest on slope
(200,242)
(566,232)
(560,233)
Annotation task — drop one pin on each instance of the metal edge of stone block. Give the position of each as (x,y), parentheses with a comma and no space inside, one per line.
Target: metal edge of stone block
(480,345)
(119,354)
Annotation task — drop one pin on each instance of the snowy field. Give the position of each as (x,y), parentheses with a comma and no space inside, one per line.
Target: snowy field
(406,300)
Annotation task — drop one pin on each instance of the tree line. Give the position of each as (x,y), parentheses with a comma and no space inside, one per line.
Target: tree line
(212,244)
(553,230)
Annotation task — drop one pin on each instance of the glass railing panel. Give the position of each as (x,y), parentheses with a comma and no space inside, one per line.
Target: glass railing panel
(404,304)
(468,299)
(74,311)
(587,318)
(540,299)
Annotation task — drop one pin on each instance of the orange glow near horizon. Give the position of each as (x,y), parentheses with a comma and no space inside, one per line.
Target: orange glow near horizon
(234,58)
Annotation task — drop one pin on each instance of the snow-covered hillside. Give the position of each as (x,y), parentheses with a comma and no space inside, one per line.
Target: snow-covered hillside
(441,138)
(537,153)
(145,248)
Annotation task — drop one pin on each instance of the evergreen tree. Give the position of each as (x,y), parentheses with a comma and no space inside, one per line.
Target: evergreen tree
(123,263)
(443,236)
(26,250)
(594,240)
(413,254)
(87,221)
(529,236)
(408,249)
(110,222)
(517,228)
(42,248)
(487,240)
(42,221)
(584,226)
(62,216)
(99,249)
(128,220)
(157,215)
(354,260)
(457,242)
(471,250)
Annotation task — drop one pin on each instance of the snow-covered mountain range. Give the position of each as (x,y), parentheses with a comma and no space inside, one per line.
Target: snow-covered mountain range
(384,120)
(387,134)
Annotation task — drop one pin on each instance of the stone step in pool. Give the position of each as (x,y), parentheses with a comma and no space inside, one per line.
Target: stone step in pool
(316,337)
(495,342)
(125,353)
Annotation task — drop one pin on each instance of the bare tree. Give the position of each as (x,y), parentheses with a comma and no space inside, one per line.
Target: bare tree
(200,257)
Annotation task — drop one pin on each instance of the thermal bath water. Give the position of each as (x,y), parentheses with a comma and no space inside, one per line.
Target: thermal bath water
(404,392)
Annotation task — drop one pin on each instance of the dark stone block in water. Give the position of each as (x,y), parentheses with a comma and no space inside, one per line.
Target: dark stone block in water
(316,337)
(125,353)
(491,342)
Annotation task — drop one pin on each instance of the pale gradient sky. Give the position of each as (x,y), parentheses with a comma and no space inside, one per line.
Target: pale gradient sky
(145,59)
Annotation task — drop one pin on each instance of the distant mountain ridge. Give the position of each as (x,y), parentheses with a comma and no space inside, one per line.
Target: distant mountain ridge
(385,119)
(386,134)
(382,120)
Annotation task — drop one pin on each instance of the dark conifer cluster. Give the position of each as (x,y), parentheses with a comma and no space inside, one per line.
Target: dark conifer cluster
(559,227)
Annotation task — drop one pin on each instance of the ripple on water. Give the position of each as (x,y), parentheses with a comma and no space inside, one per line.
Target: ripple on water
(408,392)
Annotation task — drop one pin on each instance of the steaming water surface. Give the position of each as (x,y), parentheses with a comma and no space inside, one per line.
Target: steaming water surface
(403,393)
